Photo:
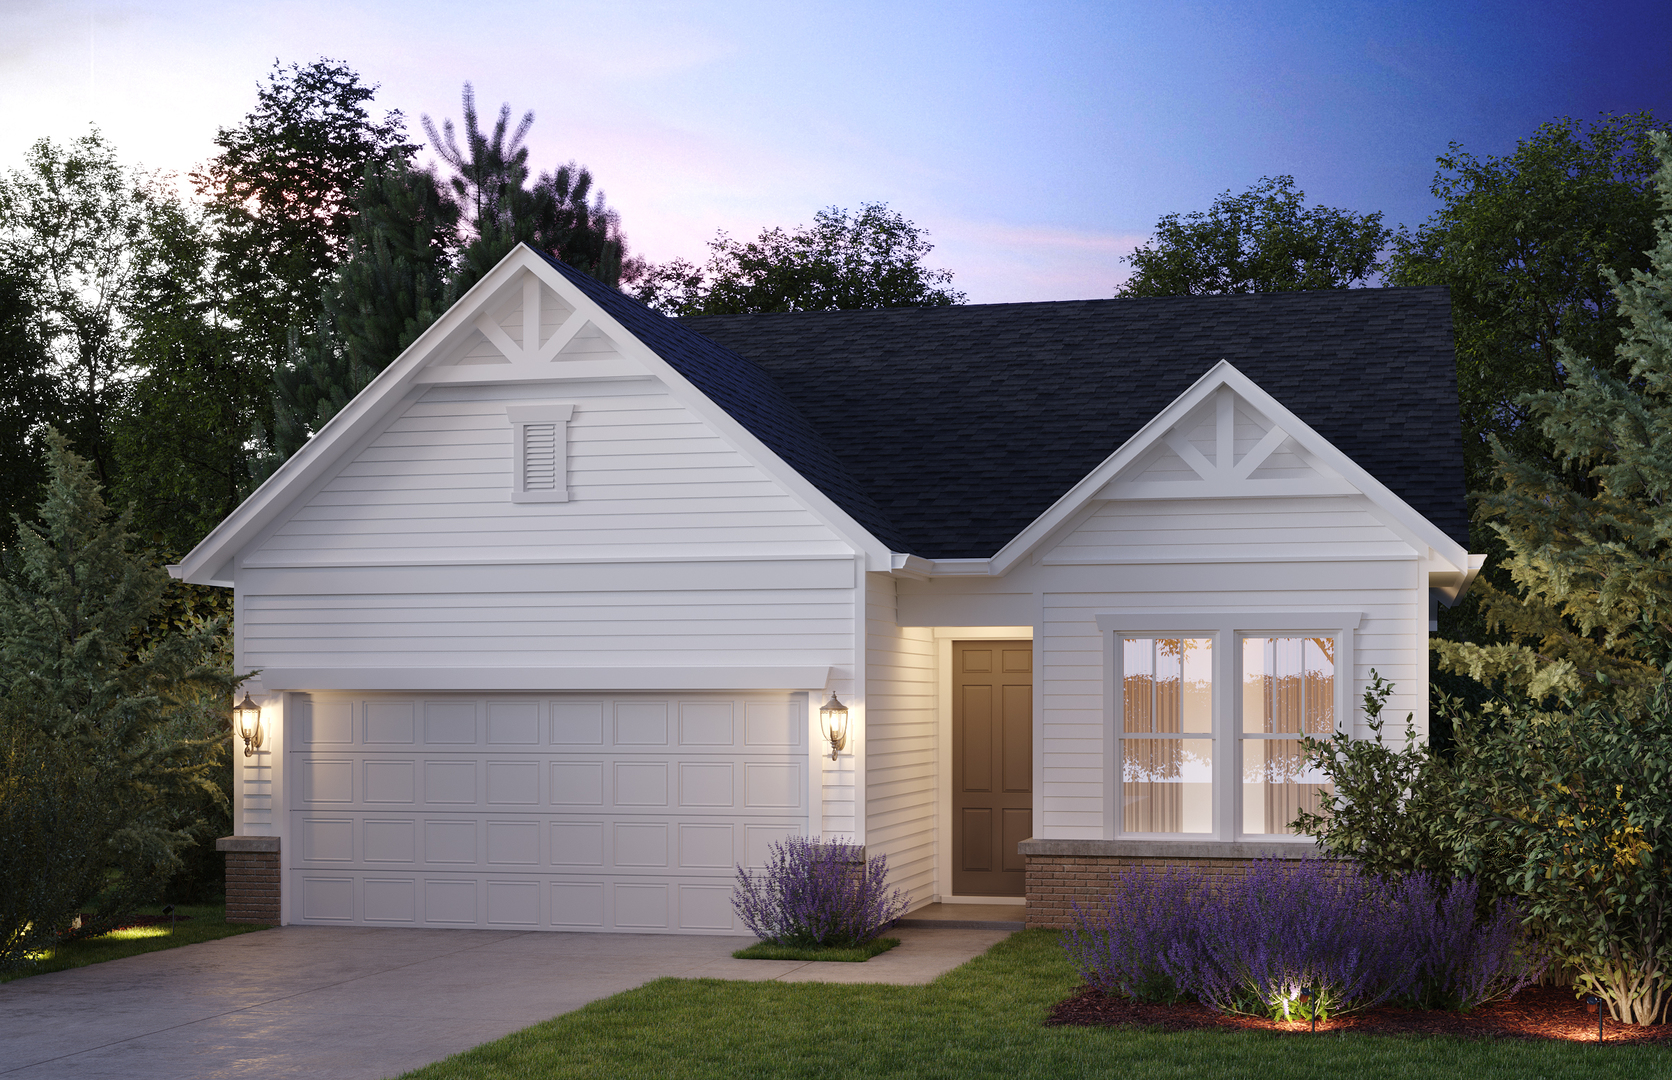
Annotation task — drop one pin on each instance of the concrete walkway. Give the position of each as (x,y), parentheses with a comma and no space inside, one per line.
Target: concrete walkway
(362,1003)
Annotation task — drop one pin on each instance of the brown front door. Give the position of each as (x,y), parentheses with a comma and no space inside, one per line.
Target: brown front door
(992,770)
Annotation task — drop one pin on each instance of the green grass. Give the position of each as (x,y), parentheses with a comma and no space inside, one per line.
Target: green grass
(853,954)
(208,922)
(982,1020)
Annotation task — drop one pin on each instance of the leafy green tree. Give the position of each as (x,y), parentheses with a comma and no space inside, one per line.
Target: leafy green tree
(106,729)
(871,259)
(1573,815)
(181,438)
(1588,605)
(29,397)
(499,209)
(72,225)
(281,194)
(1263,240)
(1526,243)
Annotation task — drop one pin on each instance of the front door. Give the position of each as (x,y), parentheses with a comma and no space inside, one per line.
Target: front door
(992,771)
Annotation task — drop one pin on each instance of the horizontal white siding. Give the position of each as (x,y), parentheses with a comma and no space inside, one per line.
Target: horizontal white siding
(646,478)
(900,738)
(1210,530)
(427,624)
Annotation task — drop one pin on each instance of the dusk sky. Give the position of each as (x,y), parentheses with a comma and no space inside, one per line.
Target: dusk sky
(1036,142)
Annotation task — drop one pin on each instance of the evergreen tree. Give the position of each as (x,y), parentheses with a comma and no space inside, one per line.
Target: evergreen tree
(1263,240)
(1589,534)
(499,209)
(872,259)
(107,727)
(393,285)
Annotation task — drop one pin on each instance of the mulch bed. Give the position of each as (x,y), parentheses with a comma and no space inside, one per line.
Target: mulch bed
(1538,1012)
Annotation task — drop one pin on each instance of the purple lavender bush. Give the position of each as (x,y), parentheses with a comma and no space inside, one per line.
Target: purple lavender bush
(1467,959)
(1297,940)
(1303,939)
(1141,940)
(815,892)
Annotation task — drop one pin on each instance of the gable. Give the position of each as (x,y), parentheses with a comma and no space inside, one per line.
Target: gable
(537,332)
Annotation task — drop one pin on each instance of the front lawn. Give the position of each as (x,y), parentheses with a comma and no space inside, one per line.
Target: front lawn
(207,922)
(981,1020)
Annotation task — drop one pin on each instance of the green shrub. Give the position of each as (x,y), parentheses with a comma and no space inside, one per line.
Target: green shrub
(107,727)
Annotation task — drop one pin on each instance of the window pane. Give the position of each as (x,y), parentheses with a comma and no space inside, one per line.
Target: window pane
(1276,785)
(1288,686)
(1168,685)
(1167,785)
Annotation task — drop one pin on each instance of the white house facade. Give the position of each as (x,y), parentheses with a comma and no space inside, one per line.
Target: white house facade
(541,622)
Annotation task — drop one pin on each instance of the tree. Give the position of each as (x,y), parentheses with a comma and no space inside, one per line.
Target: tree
(28,397)
(181,437)
(1525,242)
(105,729)
(872,259)
(72,225)
(499,209)
(281,194)
(393,285)
(1588,606)
(1263,240)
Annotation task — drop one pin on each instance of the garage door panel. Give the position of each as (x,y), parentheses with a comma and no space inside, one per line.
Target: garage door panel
(450,782)
(513,843)
(389,780)
(563,812)
(450,723)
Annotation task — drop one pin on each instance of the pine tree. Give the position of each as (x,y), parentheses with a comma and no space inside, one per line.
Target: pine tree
(107,727)
(499,209)
(393,285)
(1590,537)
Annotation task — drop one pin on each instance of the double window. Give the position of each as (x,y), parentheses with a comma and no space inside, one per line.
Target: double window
(1207,713)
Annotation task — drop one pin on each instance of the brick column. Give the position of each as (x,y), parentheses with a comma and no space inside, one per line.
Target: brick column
(252,878)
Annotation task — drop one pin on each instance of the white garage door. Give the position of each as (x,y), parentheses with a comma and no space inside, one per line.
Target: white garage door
(606,812)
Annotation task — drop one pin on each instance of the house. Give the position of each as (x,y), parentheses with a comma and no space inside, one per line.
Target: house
(545,617)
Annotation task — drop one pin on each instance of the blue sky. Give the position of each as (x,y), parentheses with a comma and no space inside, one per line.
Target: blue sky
(1037,142)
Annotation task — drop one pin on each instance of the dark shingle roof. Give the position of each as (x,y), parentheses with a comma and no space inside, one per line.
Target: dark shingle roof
(965,423)
(748,395)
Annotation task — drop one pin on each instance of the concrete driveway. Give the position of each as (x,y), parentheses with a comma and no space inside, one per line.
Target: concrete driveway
(364,1002)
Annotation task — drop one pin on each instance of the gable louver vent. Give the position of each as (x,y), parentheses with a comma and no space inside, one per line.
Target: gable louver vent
(540,441)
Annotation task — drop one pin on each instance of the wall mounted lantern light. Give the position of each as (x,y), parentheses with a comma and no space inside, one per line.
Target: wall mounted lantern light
(833,721)
(246,719)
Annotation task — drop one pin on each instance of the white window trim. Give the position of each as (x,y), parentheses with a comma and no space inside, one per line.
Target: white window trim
(1224,629)
(543,413)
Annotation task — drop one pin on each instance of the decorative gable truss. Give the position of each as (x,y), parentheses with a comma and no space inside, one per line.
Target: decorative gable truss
(530,334)
(1225,448)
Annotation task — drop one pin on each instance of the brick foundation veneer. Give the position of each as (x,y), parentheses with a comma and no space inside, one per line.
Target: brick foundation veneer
(252,878)
(1061,873)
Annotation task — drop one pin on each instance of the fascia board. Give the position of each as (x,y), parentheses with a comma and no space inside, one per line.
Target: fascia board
(216,551)
(1224,374)
(877,554)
